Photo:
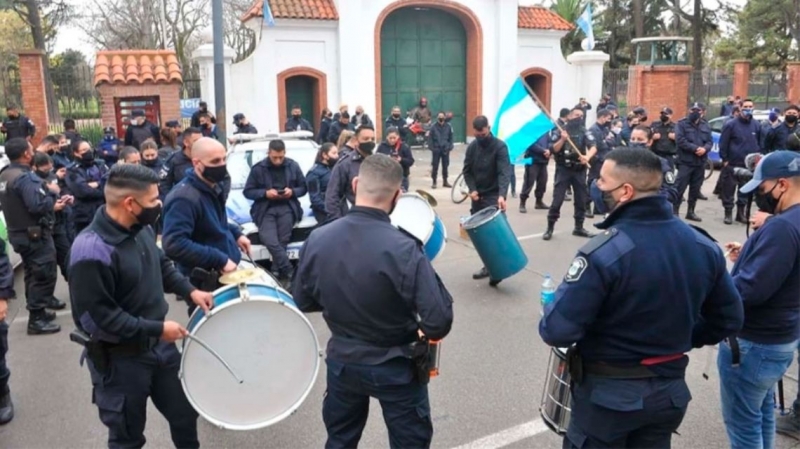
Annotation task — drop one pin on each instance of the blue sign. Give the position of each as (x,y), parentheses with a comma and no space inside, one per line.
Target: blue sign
(189,106)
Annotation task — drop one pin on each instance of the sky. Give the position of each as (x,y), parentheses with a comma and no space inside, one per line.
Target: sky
(74,38)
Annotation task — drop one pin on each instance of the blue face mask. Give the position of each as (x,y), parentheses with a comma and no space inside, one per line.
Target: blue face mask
(747,113)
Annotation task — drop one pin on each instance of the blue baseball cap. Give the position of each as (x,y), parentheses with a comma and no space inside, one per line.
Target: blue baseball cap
(780,164)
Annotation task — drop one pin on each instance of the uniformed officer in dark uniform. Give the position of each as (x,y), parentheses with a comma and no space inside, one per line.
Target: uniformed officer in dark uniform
(636,299)
(243,126)
(604,142)
(693,136)
(318,177)
(17,125)
(664,145)
(43,167)
(377,305)
(28,210)
(296,122)
(84,179)
(342,124)
(174,168)
(6,293)
(340,195)
(140,129)
(572,159)
(118,277)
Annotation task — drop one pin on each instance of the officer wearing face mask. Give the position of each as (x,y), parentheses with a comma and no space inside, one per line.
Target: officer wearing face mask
(140,129)
(338,126)
(17,125)
(326,119)
(178,163)
(243,125)
(340,196)
(43,167)
(318,177)
(633,303)
(604,139)
(396,121)
(739,138)
(84,180)
(109,146)
(693,136)
(275,185)
(196,231)
(664,145)
(296,122)
(778,136)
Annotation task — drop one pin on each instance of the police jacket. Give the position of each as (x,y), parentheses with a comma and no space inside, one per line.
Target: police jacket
(173,171)
(246,129)
(166,151)
(108,150)
(196,229)
(776,138)
(156,165)
(340,187)
(690,136)
(649,286)
(297,124)
(767,274)
(404,152)
(260,180)
(739,138)
(209,131)
(487,168)
(324,128)
(118,278)
(317,180)
(535,152)
(602,141)
(135,135)
(568,156)
(336,131)
(395,122)
(60,160)
(441,136)
(6,274)
(87,199)
(381,285)
(59,226)
(664,146)
(25,199)
(19,127)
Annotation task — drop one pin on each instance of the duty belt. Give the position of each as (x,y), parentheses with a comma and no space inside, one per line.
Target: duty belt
(130,348)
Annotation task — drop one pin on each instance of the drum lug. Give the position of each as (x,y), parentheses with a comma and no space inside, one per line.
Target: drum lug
(180,374)
(244,294)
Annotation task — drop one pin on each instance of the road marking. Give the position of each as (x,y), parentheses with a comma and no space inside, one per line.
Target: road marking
(508,436)
(532,236)
(24,319)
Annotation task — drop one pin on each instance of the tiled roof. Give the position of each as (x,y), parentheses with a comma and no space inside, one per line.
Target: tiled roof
(295,9)
(136,66)
(538,18)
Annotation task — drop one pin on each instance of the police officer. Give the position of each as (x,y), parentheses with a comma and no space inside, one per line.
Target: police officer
(6,293)
(28,210)
(196,229)
(572,148)
(174,168)
(118,278)
(17,125)
(395,120)
(243,126)
(693,136)
(275,185)
(486,172)
(150,159)
(342,124)
(109,146)
(604,141)
(776,138)
(340,195)
(398,150)
(84,180)
(43,167)
(642,139)
(376,320)
(326,118)
(739,138)
(71,134)
(202,109)
(318,177)
(663,129)
(617,306)
(441,143)
(296,122)
(536,173)
(140,129)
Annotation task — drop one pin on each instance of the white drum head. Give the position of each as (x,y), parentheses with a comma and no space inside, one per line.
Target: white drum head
(414,215)
(270,346)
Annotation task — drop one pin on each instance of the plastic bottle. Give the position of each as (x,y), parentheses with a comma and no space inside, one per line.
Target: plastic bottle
(548,290)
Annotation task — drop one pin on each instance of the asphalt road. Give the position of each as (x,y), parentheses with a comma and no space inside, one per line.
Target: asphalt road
(493,363)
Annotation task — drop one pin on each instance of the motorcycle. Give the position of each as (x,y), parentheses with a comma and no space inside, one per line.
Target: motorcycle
(419,134)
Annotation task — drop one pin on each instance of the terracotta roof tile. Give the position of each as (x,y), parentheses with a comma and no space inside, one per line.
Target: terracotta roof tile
(295,9)
(538,18)
(136,66)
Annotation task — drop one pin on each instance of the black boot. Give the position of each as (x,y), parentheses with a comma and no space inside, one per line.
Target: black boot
(548,234)
(286,280)
(740,216)
(483,273)
(728,216)
(700,196)
(433,184)
(540,205)
(589,212)
(39,325)
(522,208)
(579,231)
(446,184)
(6,408)
(49,316)
(691,216)
(54,304)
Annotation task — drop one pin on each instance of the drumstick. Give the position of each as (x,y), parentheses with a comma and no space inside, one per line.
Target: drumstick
(217,356)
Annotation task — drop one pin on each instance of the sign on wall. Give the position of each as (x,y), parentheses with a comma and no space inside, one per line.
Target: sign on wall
(189,106)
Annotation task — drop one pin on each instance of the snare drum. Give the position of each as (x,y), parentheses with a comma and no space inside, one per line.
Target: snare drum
(555,407)
(415,215)
(496,243)
(268,344)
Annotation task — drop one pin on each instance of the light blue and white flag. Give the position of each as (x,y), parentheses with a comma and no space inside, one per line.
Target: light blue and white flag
(520,122)
(584,22)
(268,18)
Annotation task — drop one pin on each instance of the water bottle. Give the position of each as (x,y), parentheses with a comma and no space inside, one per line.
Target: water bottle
(548,291)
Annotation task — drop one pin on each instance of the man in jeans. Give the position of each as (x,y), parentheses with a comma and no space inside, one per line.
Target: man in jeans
(767,275)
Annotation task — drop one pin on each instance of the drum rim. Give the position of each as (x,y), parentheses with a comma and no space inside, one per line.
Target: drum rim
(434,215)
(444,237)
(468,224)
(278,418)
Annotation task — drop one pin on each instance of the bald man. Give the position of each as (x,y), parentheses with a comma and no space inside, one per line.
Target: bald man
(196,230)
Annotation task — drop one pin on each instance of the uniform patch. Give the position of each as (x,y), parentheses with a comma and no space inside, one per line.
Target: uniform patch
(669,177)
(163,173)
(576,269)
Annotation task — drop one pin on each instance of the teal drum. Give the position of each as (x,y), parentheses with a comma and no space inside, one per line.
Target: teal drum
(252,361)
(497,246)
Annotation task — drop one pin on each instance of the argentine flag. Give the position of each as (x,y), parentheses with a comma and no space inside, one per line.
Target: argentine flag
(520,122)
(268,18)
(584,22)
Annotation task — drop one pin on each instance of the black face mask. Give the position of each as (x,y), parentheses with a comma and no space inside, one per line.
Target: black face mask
(441,119)
(12,117)
(63,148)
(366,147)
(484,140)
(87,158)
(150,162)
(639,145)
(331,162)
(767,202)
(694,116)
(149,215)
(396,115)
(51,151)
(665,118)
(216,174)
(42,174)
(730,102)
(790,119)
(204,126)
(576,122)
(296,115)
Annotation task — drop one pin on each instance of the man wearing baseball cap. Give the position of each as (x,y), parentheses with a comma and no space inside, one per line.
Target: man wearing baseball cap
(767,275)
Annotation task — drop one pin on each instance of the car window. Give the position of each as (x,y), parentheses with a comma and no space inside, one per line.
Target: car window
(716,124)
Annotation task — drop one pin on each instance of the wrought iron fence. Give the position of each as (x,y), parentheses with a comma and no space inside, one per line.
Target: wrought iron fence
(615,83)
(10,88)
(190,89)
(768,90)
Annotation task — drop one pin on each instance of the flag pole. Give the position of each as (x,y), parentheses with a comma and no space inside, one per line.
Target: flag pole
(547,113)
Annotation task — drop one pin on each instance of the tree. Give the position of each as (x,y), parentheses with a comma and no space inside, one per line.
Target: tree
(570,10)
(237,36)
(72,79)
(14,36)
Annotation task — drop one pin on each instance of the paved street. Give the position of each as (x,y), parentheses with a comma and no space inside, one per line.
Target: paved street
(493,363)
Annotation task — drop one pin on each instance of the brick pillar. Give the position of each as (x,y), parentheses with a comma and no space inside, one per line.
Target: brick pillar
(793,82)
(34,96)
(741,78)
(656,87)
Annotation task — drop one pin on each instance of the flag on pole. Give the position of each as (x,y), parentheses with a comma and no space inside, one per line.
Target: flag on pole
(584,22)
(520,122)
(268,18)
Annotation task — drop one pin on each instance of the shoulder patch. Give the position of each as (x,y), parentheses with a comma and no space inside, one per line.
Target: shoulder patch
(576,269)
(597,241)
(669,177)
(703,232)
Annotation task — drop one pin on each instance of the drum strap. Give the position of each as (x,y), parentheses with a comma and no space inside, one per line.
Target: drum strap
(735,353)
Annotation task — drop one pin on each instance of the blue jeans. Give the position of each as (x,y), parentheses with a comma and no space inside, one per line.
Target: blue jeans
(747,391)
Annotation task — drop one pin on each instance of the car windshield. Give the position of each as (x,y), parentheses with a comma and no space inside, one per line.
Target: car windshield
(241,161)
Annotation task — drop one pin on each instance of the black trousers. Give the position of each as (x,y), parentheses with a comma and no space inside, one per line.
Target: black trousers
(691,176)
(592,175)
(275,231)
(443,156)
(535,174)
(482,203)
(40,268)
(121,397)
(729,186)
(569,177)
(4,372)
(62,244)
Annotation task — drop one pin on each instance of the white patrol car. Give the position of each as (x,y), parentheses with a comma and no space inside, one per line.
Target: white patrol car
(249,149)
(13,257)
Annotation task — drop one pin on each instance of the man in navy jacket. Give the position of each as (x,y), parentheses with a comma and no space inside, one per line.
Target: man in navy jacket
(274,185)
(739,138)
(536,173)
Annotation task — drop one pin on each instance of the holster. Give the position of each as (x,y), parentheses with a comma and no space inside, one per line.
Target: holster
(207,281)
(419,355)
(94,350)
(575,365)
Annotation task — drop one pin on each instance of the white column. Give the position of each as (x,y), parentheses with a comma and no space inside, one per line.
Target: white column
(204,55)
(589,77)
